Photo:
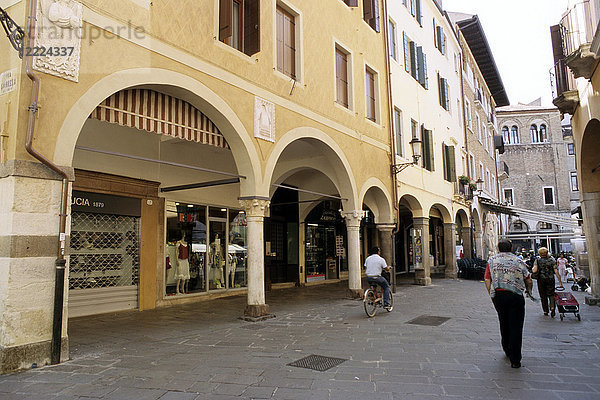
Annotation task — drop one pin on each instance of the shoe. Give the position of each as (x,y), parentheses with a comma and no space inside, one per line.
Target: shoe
(387,306)
(515,365)
(546,314)
(552,313)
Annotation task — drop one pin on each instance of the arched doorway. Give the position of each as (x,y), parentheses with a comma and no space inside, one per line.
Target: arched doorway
(441,240)
(409,239)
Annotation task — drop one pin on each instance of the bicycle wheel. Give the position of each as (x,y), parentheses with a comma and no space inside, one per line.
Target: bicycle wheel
(391,307)
(370,303)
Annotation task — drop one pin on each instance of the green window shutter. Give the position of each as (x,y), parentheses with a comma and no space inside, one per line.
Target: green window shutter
(375,21)
(428,162)
(446,95)
(445,160)
(452,163)
(418,15)
(420,73)
(440,91)
(413,59)
(406,52)
(425,78)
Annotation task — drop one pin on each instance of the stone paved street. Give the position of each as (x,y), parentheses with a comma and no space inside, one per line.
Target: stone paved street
(203,351)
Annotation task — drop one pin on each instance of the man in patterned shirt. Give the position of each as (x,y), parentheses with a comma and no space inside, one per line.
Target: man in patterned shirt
(506,277)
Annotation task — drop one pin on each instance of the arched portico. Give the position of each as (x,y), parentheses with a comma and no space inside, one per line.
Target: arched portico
(477,233)
(325,179)
(376,198)
(463,229)
(590,197)
(443,240)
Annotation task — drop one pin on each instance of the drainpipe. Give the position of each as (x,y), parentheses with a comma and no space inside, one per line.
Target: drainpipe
(60,263)
(469,172)
(392,142)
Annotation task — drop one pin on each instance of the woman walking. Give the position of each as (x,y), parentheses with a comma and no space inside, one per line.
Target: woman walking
(546,268)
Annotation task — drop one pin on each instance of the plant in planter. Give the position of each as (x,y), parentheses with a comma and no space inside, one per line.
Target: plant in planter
(472,187)
(463,180)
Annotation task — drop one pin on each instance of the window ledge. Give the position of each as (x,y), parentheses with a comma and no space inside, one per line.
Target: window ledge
(343,107)
(374,123)
(250,59)
(288,78)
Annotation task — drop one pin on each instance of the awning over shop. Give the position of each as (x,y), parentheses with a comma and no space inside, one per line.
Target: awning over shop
(521,212)
(159,113)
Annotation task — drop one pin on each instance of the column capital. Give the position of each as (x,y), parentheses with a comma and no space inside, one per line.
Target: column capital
(255,206)
(386,227)
(420,220)
(353,217)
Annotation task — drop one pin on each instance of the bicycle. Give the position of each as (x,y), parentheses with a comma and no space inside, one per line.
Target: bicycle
(373,299)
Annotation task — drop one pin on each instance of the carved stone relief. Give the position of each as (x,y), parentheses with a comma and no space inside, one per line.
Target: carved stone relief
(264,119)
(58,38)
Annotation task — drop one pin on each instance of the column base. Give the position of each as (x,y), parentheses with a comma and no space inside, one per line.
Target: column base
(421,278)
(258,312)
(592,301)
(450,273)
(33,355)
(354,293)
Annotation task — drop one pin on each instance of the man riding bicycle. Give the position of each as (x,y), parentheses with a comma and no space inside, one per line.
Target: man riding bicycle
(375,265)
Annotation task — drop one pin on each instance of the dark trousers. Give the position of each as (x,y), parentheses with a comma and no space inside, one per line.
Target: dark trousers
(546,291)
(511,314)
(381,281)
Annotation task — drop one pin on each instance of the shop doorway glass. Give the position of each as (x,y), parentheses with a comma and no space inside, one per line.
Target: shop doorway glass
(217,278)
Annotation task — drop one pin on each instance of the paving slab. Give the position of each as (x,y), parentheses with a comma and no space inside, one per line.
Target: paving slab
(204,351)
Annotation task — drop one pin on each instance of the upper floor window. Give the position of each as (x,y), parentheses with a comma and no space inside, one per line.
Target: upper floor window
(371,13)
(341,78)
(443,92)
(414,7)
(449,159)
(468,113)
(505,135)
(427,149)
(392,40)
(538,136)
(508,197)
(351,3)
(478,127)
(371,94)
(398,126)
(415,61)
(514,135)
(439,38)
(571,149)
(239,25)
(286,43)
(549,196)
(574,183)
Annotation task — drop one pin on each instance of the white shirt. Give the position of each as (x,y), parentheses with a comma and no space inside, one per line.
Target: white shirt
(375,264)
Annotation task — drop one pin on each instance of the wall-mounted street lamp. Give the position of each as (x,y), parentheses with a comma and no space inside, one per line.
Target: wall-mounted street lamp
(415,145)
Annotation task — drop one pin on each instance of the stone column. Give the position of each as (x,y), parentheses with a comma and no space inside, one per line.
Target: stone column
(466,239)
(256,209)
(590,207)
(450,250)
(478,244)
(354,267)
(386,242)
(30,198)
(422,267)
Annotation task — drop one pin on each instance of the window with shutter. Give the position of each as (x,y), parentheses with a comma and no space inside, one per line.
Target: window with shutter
(370,95)
(420,64)
(341,77)
(406,52)
(428,159)
(398,126)
(417,14)
(451,158)
(286,43)
(392,40)
(239,24)
(351,3)
(371,13)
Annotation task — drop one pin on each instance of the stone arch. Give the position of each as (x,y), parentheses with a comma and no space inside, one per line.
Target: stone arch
(462,216)
(412,204)
(329,159)
(476,220)
(588,174)
(375,196)
(176,84)
(446,216)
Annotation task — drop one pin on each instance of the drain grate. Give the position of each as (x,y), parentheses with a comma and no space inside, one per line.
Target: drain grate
(428,320)
(318,363)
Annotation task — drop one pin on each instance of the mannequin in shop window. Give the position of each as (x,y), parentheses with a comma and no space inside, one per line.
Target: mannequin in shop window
(218,262)
(183,265)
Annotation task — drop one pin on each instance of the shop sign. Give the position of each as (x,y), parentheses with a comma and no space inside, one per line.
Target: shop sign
(105,204)
(329,216)
(316,277)
(8,81)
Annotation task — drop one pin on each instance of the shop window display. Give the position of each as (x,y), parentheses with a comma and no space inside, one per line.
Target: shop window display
(206,249)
